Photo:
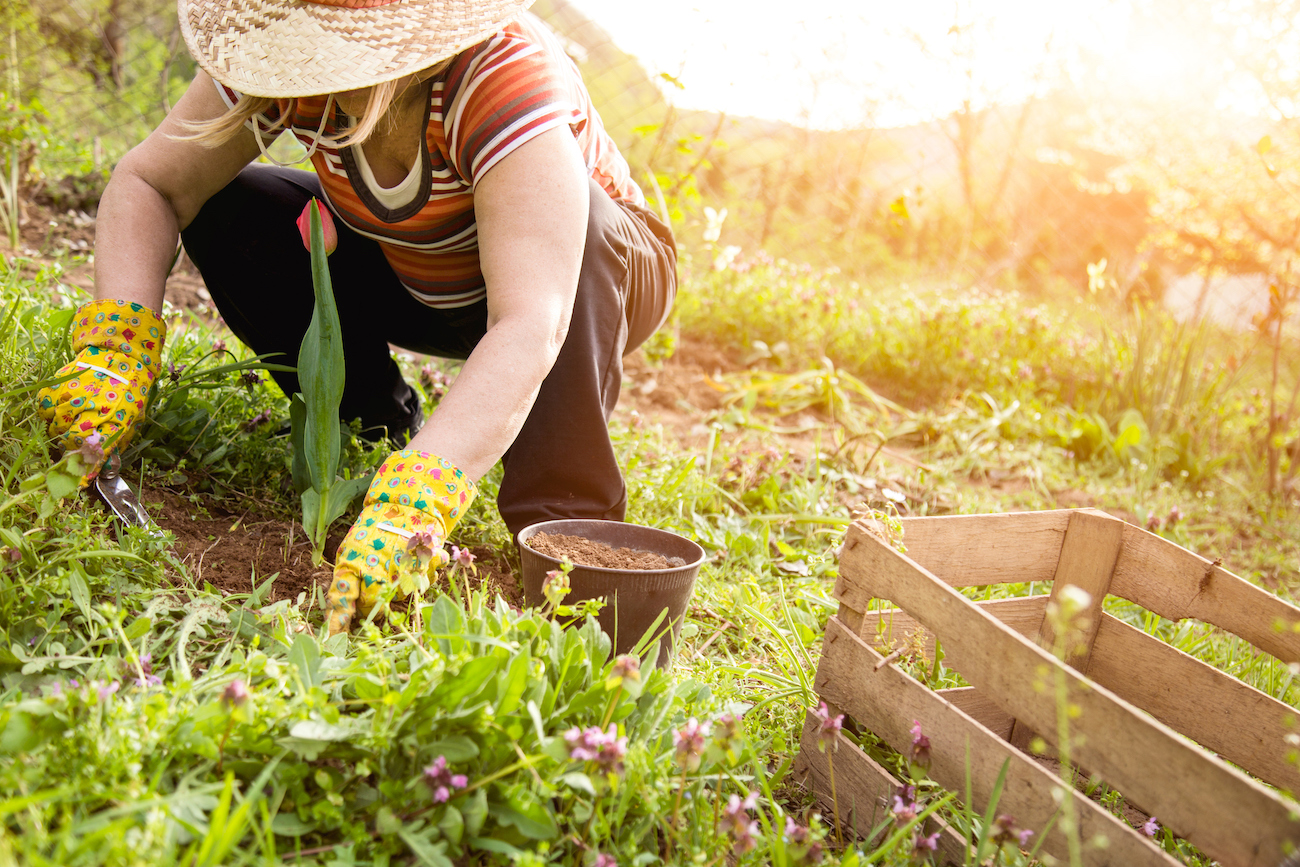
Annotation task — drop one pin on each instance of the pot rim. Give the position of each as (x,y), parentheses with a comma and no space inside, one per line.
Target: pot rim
(533,529)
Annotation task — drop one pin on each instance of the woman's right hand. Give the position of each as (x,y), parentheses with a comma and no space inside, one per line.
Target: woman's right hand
(119,357)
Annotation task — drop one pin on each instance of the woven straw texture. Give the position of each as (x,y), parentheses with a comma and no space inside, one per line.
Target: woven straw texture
(283,48)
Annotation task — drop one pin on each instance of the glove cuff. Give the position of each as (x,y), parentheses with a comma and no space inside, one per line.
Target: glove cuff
(125,327)
(423,481)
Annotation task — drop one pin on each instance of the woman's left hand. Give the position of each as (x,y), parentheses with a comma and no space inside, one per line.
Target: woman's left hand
(413,503)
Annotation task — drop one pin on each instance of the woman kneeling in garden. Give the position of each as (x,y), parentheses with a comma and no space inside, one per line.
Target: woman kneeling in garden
(484,214)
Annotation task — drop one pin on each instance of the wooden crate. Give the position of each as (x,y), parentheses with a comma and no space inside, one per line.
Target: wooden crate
(1144,707)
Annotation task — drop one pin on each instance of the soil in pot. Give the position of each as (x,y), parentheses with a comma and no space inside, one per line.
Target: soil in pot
(585,552)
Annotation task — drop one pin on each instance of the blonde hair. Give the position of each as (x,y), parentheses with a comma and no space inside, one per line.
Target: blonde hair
(219,130)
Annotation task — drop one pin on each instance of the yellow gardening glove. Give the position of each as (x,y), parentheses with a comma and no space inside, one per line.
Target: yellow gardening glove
(119,355)
(413,503)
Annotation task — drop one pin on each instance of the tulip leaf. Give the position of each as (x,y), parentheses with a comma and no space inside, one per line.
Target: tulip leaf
(297,438)
(320,373)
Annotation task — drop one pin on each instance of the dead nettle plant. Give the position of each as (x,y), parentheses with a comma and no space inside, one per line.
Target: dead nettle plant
(314,412)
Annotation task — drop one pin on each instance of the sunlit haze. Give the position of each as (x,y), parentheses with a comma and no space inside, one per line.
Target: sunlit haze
(831,63)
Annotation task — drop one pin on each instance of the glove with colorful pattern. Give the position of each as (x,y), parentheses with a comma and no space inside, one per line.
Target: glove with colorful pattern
(119,356)
(413,503)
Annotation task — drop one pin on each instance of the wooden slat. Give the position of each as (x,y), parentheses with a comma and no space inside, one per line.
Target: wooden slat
(887,700)
(863,788)
(1088,555)
(1243,725)
(977,550)
(880,629)
(1219,809)
(1175,583)
(971,702)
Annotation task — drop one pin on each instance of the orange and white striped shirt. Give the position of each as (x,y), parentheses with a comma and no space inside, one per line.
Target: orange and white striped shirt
(491,99)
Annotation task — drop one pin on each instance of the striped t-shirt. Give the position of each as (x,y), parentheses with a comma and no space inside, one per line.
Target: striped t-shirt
(490,100)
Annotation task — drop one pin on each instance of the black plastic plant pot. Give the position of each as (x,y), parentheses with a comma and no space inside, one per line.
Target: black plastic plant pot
(635,598)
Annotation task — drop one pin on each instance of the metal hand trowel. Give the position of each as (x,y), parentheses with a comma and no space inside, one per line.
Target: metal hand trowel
(120,499)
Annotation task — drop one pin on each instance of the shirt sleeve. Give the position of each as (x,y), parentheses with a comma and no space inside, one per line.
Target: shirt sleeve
(506,93)
(266,120)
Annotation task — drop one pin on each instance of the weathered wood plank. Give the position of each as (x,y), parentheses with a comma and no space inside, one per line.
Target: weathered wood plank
(863,788)
(977,550)
(1243,725)
(1088,555)
(969,701)
(891,627)
(1219,809)
(1175,583)
(887,700)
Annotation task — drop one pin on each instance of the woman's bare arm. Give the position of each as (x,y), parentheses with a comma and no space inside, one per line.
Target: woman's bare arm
(531,210)
(155,191)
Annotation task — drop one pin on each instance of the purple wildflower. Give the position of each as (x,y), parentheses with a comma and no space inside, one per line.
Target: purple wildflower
(1006,830)
(1175,515)
(92,449)
(174,371)
(146,666)
(625,667)
(920,746)
(905,807)
(105,690)
(829,729)
(603,860)
(922,844)
(689,741)
(218,345)
(422,544)
(251,379)
(441,782)
(236,694)
(737,822)
(804,849)
(604,748)
(462,557)
(14,555)
(1151,828)
(257,421)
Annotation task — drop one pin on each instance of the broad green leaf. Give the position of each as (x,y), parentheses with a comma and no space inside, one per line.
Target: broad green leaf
(320,369)
(452,825)
(474,810)
(455,749)
(473,675)
(305,656)
(342,493)
(578,780)
(315,730)
(511,684)
(138,627)
(311,513)
(289,825)
(80,590)
(298,442)
(429,854)
(60,483)
(531,818)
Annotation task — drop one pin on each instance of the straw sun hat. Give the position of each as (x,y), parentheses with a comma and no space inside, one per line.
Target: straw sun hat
(282,48)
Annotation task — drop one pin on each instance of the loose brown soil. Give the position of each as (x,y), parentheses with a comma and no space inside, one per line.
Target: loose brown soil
(587,552)
(234,552)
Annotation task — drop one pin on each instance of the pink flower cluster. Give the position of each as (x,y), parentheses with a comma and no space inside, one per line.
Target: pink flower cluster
(441,782)
(605,749)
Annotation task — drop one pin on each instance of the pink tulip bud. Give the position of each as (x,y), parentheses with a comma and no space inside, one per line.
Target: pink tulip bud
(326,225)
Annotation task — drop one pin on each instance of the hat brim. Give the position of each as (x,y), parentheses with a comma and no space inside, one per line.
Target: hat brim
(290,48)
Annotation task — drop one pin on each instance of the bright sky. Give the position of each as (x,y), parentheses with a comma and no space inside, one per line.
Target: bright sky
(841,62)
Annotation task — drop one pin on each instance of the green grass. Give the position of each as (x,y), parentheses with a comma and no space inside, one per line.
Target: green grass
(927,404)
